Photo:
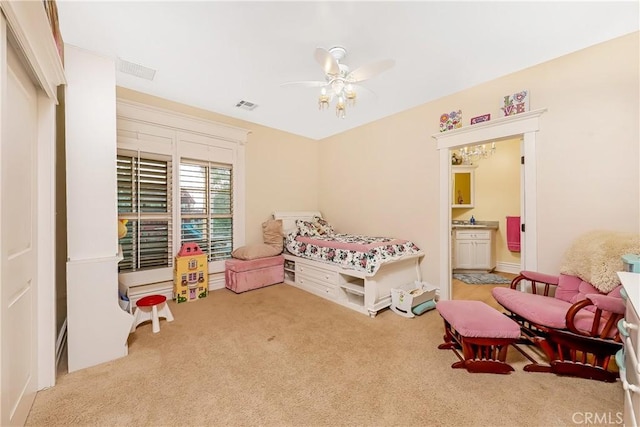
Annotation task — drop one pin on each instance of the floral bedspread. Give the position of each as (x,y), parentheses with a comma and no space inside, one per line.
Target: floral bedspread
(356,252)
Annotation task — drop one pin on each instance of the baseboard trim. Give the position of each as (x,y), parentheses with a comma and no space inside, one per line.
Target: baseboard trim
(508,267)
(61,341)
(216,281)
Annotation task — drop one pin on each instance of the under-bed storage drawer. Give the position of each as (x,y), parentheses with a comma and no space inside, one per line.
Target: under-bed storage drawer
(330,277)
(318,287)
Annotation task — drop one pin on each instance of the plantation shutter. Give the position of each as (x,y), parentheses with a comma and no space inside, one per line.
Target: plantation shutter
(144,200)
(206,207)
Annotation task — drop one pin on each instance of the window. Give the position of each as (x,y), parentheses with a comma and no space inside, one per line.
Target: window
(144,189)
(206,207)
(180,179)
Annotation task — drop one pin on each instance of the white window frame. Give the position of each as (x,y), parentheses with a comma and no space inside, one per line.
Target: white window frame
(156,130)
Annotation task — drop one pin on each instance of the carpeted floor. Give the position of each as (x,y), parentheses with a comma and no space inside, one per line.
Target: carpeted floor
(281,357)
(481,278)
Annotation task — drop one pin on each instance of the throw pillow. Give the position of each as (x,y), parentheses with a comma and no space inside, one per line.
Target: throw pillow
(259,250)
(323,226)
(272,233)
(307,228)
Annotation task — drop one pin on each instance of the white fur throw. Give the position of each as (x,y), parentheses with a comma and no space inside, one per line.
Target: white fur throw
(596,257)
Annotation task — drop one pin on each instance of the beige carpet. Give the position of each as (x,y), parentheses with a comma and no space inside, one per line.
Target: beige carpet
(279,356)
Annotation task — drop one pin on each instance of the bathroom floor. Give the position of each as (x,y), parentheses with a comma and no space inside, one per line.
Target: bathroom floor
(461,290)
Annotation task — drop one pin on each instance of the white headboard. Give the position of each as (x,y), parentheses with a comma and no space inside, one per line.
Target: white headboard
(289,218)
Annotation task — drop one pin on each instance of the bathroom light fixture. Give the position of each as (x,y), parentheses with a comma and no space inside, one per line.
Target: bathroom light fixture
(476,152)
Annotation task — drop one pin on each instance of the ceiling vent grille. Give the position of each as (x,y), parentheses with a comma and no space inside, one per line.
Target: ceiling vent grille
(246,105)
(136,69)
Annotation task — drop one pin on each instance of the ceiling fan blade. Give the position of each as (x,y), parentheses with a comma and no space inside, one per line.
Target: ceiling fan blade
(309,83)
(362,89)
(327,61)
(370,70)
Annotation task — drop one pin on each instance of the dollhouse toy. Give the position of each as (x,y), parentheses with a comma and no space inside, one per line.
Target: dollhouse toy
(190,279)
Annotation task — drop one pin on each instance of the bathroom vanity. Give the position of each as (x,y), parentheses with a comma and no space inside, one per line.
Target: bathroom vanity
(474,247)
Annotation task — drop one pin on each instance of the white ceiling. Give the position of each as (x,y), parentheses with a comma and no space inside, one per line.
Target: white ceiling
(213,54)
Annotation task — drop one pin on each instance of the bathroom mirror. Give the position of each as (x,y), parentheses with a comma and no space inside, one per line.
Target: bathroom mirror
(463,186)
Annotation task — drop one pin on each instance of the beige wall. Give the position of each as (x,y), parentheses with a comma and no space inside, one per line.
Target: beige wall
(281,168)
(382,178)
(497,195)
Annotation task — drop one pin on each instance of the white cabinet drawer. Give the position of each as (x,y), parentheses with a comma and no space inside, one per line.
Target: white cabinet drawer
(317,287)
(631,371)
(473,234)
(628,364)
(631,324)
(630,419)
(327,276)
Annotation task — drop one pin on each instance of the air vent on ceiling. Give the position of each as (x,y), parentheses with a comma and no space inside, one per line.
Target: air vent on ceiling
(246,105)
(136,69)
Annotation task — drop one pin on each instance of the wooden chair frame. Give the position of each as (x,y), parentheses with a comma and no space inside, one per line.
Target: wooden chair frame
(570,351)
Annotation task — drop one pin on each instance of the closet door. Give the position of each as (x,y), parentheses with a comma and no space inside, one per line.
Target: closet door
(18,237)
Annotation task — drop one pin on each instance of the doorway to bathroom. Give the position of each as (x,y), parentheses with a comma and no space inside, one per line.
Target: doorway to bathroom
(522,126)
(485,254)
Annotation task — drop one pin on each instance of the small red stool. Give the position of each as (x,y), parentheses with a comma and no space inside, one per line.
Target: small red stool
(151,307)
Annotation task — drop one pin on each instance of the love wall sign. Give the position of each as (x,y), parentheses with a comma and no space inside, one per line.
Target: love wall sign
(516,103)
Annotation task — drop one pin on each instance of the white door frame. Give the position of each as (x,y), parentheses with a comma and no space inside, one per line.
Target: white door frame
(524,124)
(31,29)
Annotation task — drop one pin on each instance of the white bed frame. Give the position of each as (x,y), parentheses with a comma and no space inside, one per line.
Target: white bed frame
(354,289)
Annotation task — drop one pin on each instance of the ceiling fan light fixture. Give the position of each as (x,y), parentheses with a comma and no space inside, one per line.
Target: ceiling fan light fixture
(350,94)
(338,52)
(323,102)
(337,86)
(339,82)
(340,108)
(323,99)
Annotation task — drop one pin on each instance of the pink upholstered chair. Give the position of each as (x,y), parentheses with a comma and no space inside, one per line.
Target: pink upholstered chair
(575,326)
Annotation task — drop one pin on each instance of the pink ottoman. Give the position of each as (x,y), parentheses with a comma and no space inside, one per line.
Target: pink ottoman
(483,333)
(241,276)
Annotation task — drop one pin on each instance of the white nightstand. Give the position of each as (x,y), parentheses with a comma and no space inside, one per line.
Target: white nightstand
(627,358)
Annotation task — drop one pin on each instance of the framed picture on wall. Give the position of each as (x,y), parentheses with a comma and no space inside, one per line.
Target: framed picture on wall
(450,121)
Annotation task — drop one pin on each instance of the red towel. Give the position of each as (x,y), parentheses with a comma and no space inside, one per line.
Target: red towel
(513,233)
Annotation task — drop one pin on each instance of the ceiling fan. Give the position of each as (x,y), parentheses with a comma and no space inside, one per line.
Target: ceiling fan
(339,81)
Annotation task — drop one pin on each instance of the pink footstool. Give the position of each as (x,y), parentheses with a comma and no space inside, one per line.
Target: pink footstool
(241,276)
(483,333)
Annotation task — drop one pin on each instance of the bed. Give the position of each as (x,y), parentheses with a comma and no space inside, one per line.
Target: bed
(355,271)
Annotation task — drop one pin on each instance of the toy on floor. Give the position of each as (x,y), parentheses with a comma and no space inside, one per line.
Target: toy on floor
(413,298)
(151,307)
(424,307)
(190,278)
